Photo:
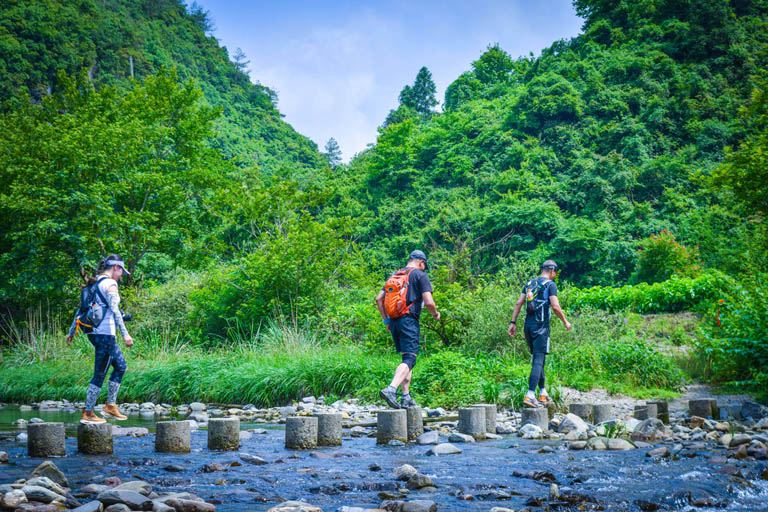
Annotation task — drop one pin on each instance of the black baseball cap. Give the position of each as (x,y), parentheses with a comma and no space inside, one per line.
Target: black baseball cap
(549,264)
(419,255)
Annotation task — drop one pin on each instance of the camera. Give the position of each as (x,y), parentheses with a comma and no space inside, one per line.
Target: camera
(127,317)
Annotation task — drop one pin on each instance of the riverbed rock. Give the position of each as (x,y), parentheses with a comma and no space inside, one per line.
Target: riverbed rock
(661,451)
(41,494)
(136,486)
(3,457)
(252,459)
(597,443)
(14,499)
(182,505)
(620,444)
(49,469)
(118,507)
(431,437)
(650,430)
(91,506)
(739,439)
(458,437)
(572,422)
(409,506)
(444,449)
(505,428)
(295,506)
(631,424)
(419,481)
(404,472)
(44,481)
(577,445)
(132,499)
(531,431)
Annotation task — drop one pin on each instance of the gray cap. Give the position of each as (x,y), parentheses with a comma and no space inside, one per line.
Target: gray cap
(419,255)
(119,263)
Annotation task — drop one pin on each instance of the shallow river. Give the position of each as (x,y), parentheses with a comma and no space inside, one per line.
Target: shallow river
(331,477)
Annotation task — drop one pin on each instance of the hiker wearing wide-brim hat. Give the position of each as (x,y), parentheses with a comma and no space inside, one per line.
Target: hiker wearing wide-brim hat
(400,302)
(99,316)
(540,296)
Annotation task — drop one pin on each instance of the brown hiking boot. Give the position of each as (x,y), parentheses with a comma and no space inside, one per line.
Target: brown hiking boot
(90,418)
(111,411)
(545,399)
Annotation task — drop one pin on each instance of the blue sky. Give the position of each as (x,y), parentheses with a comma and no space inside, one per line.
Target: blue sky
(338,66)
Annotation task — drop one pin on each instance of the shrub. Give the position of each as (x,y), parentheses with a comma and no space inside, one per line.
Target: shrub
(736,351)
(661,257)
(675,294)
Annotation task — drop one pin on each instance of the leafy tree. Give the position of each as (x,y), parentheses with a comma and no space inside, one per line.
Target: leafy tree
(417,100)
(661,257)
(241,60)
(333,152)
(92,172)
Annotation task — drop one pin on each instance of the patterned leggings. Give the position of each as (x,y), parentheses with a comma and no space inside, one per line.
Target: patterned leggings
(107,354)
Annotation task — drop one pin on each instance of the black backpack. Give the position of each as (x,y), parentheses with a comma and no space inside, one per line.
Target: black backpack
(537,296)
(90,314)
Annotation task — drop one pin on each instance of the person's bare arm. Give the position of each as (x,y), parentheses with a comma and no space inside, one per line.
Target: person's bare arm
(380,305)
(518,306)
(555,304)
(429,304)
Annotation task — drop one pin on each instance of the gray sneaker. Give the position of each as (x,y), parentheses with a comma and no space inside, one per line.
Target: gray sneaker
(390,397)
(407,402)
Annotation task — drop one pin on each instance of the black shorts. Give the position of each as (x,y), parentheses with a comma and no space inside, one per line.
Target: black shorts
(537,338)
(405,333)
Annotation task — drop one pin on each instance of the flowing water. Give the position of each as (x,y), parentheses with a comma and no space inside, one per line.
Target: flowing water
(332,477)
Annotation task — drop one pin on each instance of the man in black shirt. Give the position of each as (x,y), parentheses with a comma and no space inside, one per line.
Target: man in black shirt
(405,329)
(540,294)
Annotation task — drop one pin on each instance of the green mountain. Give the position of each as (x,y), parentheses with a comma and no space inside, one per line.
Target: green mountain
(580,153)
(119,39)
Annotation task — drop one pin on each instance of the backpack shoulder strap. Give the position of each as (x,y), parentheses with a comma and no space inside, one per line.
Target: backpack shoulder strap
(97,290)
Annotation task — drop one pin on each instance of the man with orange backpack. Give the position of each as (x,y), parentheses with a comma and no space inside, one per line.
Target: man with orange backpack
(400,302)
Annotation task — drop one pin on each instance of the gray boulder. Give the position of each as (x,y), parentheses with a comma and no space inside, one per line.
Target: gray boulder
(132,499)
(41,494)
(457,437)
(49,469)
(13,499)
(620,444)
(137,486)
(404,472)
(572,422)
(431,437)
(419,481)
(92,506)
(44,481)
(252,459)
(409,506)
(444,449)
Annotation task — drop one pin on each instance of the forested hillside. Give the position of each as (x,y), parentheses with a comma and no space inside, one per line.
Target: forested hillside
(115,40)
(583,152)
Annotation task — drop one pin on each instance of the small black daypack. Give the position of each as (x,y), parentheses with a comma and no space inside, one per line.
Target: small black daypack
(90,314)
(537,296)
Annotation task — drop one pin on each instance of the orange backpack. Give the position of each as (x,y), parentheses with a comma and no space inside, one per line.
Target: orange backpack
(396,294)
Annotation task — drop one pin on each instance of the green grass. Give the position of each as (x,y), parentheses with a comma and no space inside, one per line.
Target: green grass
(277,363)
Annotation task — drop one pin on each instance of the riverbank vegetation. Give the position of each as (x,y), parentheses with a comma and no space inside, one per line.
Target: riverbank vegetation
(631,154)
